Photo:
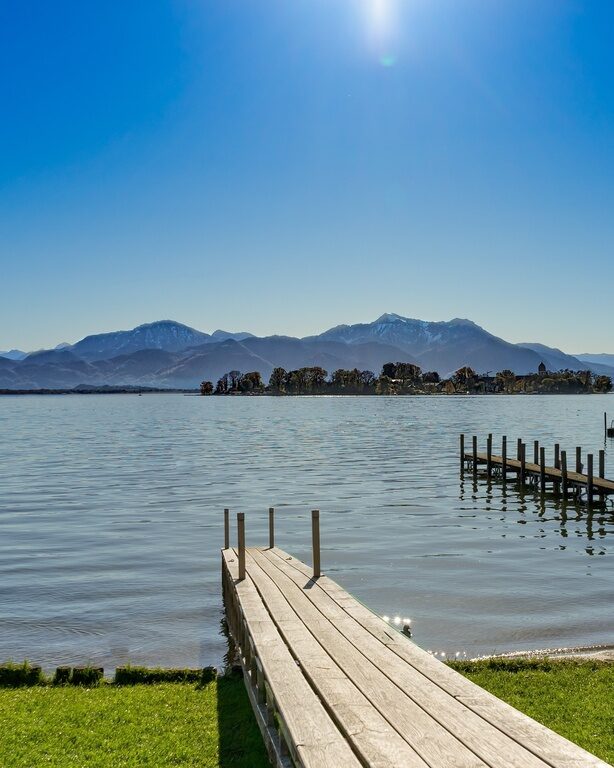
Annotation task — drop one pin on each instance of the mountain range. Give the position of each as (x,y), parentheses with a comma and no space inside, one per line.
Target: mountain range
(169,354)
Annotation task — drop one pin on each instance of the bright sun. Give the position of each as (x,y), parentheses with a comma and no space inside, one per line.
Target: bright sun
(380,20)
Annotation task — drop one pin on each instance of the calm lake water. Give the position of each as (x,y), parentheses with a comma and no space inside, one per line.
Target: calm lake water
(111,520)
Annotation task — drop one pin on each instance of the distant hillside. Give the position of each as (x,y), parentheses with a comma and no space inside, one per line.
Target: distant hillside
(165,334)
(555,360)
(443,346)
(599,359)
(13,354)
(170,354)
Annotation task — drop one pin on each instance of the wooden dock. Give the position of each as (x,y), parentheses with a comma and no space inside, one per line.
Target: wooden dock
(591,486)
(335,686)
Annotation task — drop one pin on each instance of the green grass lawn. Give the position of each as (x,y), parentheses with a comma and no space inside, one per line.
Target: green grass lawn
(212,726)
(172,724)
(574,698)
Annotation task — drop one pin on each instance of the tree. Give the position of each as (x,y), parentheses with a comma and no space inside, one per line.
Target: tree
(602,384)
(431,377)
(250,381)
(222,385)
(234,378)
(277,379)
(367,379)
(206,388)
(465,376)
(408,372)
(389,370)
(506,379)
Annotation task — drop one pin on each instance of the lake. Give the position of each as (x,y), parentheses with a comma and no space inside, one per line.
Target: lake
(111,520)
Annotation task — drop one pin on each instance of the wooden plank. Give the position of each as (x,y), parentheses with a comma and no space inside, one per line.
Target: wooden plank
(394,686)
(553,472)
(373,737)
(435,745)
(554,749)
(317,740)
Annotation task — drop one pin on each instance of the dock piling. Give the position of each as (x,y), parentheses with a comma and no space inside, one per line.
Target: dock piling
(523,463)
(315,536)
(271,527)
(504,457)
(564,472)
(542,469)
(579,460)
(489,456)
(565,480)
(519,449)
(462,453)
(241,543)
(226,529)
(589,478)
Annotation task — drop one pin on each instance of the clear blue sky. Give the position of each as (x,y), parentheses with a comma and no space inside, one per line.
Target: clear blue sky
(284,166)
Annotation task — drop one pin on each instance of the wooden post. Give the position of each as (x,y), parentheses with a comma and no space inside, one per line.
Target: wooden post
(271,527)
(226,529)
(504,457)
(605,424)
(315,540)
(589,478)
(542,469)
(475,455)
(557,456)
(241,542)
(601,473)
(462,453)
(536,452)
(579,460)
(489,456)
(564,472)
(523,462)
(519,449)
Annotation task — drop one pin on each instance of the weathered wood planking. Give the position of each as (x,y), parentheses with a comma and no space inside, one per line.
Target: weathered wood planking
(341,666)
(599,483)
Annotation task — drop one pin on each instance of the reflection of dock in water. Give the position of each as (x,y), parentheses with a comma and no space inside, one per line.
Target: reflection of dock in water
(572,519)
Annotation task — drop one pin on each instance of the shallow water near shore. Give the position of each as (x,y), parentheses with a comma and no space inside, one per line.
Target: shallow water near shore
(111,520)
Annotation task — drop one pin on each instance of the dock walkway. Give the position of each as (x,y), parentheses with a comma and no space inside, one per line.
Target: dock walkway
(335,686)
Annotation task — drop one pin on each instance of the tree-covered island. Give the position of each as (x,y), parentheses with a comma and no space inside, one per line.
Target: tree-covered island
(406,379)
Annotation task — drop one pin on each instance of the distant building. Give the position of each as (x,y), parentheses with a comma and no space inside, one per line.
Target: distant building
(542,369)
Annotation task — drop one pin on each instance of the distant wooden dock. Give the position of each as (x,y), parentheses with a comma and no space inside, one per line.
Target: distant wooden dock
(591,486)
(335,686)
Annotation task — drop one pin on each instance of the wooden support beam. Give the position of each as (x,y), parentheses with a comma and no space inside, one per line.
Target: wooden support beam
(542,469)
(315,540)
(489,456)
(475,455)
(504,457)
(462,453)
(523,463)
(602,463)
(589,479)
(271,527)
(226,529)
(579,460)
(241,543)
(519,449)
(536,452)
(557,465)
(564,472)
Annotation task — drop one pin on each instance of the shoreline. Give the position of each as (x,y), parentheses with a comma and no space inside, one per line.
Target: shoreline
(589,652)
